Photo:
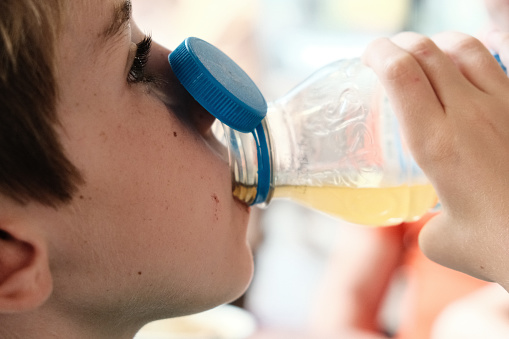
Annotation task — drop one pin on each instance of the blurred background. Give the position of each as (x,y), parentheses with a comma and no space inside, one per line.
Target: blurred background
(279,43)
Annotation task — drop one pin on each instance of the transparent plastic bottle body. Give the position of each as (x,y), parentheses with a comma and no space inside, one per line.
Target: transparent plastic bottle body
(335,146)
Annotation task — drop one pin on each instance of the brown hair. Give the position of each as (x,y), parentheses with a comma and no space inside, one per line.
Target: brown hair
(32,162)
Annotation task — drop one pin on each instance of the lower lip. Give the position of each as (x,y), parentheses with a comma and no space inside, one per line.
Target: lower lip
(242,205)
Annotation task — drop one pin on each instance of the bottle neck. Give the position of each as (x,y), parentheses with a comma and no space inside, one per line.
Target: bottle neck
(250,158)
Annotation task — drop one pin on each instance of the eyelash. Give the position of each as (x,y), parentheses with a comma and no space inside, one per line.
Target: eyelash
(137,73)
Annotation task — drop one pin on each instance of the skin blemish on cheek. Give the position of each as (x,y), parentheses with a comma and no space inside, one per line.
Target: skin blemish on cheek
(175,134)
(139,273)
(216,199)
(103,136)
(216,207)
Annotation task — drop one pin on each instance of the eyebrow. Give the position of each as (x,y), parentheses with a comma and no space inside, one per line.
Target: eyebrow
(120,19)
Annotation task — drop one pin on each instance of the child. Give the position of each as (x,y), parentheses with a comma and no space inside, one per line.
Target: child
(115,208)
(451,98)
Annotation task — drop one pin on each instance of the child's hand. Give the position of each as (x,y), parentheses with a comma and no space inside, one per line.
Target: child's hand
(452,99)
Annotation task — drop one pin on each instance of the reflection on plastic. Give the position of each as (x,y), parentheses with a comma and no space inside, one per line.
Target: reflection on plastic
(335,146)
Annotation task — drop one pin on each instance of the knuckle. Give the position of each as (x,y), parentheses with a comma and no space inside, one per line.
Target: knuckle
(467,44)
(398,67)
(416,44)
(422,47)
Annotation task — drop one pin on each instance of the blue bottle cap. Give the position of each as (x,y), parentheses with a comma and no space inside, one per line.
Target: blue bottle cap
(218,84)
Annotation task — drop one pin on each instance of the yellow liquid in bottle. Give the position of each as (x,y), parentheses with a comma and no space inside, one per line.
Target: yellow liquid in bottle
(383,206)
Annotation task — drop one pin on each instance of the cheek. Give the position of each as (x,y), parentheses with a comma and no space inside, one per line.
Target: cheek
(155,193)
(167,169)
(158,180)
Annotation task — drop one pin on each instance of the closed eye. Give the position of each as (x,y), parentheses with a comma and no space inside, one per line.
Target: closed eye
(138,73)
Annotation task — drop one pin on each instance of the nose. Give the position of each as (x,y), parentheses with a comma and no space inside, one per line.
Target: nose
(175,96)
(219,84)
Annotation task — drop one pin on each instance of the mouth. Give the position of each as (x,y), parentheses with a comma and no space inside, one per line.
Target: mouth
(242,205)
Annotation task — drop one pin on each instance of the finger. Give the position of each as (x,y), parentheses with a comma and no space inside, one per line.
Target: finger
(499,43)
(473,60)
(410,93)
(446,79)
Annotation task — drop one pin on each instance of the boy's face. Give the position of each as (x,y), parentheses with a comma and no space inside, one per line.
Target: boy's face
(155,227)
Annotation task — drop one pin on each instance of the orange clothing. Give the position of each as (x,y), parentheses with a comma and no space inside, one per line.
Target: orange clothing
(431,287)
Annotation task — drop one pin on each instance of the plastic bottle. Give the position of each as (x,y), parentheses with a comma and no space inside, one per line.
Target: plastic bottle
(332,143)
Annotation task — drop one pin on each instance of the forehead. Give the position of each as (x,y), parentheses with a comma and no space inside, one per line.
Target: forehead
(92,26)
(101,17)
(84,51)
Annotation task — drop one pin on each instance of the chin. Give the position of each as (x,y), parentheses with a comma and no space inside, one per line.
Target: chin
(241,278)
(229,290)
